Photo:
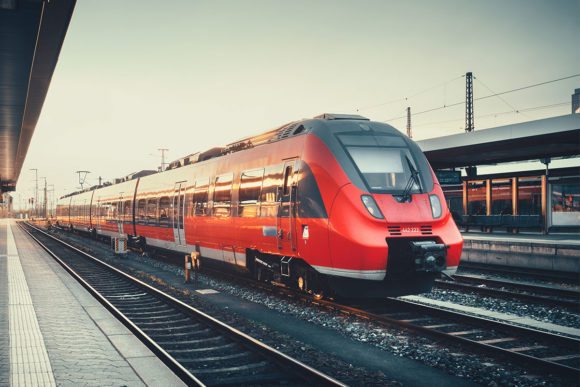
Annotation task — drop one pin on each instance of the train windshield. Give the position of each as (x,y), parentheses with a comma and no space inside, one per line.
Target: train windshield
(385,163)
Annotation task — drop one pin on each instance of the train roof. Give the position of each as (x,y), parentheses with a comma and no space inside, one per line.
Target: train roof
(288,130)
(319,123)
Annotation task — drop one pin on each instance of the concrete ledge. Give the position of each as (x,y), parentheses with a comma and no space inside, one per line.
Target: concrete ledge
(541,255)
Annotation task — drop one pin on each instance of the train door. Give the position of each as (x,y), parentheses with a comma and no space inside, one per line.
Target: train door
(178,207)
(286,211)
(119,214)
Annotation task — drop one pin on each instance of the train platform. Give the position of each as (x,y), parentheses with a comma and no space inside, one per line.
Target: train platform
(53,332)
(552,252)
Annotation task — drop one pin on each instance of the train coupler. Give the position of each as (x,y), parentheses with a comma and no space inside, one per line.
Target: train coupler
(429,256)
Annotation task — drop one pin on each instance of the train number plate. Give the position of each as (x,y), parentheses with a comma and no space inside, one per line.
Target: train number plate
(410,230)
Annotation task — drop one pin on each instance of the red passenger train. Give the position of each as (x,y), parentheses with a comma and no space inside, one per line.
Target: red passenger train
(335,204)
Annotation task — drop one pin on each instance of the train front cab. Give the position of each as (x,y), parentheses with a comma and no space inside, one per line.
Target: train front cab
(390,232)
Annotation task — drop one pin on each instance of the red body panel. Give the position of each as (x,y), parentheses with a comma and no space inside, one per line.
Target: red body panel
(347,239)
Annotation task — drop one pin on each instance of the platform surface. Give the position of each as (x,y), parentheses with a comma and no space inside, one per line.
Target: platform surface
(548,239)
(53,332)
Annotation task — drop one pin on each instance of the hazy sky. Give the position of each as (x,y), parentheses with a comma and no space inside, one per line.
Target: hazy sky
(135,76)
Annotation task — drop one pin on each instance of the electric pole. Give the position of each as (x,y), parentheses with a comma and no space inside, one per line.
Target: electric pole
(163,150)
(51,200)
(35,189)
(44,208)
(469,124)
(409,134)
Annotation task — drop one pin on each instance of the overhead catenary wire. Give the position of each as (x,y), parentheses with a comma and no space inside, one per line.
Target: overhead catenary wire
(498,96)
(498,113)
(402,99)
(485,97)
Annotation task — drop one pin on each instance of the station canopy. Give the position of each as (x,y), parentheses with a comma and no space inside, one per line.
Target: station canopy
(31,36)
(555,137)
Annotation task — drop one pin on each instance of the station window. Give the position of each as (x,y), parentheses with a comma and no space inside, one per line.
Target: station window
(250,189)
(476,198)
(200,197)
(566,202)
(530,195)
(501,197)
(270,186)
(165,213)
(454,198)
(222,196)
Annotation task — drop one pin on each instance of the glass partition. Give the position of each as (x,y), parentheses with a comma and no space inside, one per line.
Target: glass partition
(566,203)
(454,198)
(501,197)
(476,204)
(530,195)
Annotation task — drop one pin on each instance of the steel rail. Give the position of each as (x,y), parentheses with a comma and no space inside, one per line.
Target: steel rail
(529,287)
(301,370)
(504,293)
(392,305)
(535,363)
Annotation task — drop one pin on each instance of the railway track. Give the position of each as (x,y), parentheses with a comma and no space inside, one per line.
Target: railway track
(197,347)
(546,295)
(538,350)
(541,352)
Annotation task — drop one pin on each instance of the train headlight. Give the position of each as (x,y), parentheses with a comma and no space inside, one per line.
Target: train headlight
(372,207)
(436,209)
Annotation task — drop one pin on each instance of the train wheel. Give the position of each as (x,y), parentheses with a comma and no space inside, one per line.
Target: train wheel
(307,281)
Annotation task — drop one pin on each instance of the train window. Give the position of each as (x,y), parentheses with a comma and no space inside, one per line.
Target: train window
(361,139)
(151,211)
(222,195)
(394,141)
(384,169)
(141,214)
(200,197)
(127,208)
(108,211)
(165,213)
(270,187)
(115,209)
(287,180)
(250,188)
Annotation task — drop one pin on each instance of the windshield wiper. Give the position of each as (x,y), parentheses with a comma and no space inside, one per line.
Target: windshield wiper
(413,179)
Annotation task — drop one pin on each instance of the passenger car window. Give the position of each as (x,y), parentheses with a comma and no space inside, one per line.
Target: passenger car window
(141,215)
(165,213)
(200,197)
(222,196)
(272,183)
(249,195)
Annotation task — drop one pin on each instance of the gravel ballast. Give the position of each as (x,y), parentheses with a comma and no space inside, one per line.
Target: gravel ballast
(452,359)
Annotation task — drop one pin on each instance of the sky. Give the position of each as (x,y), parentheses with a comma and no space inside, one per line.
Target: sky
(135,76)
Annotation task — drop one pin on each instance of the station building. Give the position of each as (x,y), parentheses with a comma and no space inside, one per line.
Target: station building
(520,177)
